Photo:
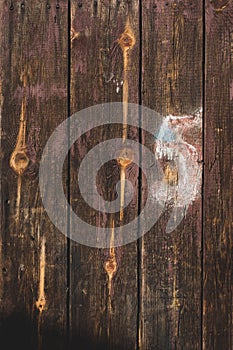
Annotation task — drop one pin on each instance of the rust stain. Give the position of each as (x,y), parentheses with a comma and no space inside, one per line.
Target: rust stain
(19,160)
(41,302)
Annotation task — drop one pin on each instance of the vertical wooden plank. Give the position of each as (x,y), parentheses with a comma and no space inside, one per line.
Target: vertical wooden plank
(103,290)
(170,316)
(218,293)
(34,102)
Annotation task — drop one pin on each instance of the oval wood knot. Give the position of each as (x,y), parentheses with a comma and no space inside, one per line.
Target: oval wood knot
(40,304)
(127,39)
(111,266)
(19,161)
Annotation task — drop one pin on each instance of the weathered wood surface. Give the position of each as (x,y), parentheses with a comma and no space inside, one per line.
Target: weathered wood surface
(103,291)
(34,101)
(171,262)
(218,283)
(167,290)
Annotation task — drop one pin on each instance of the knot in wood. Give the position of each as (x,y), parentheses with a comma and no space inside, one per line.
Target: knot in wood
(111,266)
(125,157)
(40,304)
(127,40)
(19,162)
(73,34)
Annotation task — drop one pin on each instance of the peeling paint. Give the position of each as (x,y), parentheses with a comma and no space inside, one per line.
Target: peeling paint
(178,150)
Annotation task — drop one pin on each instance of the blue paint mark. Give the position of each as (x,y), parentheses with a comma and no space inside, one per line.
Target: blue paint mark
(165,134)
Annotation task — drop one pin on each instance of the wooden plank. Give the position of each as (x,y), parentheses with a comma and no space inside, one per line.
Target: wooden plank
(34,102)
(218,292)
(103,289)
(170,315)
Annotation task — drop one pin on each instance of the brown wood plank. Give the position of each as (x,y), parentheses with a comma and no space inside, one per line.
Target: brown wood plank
(34,102)
(103,291)
(218,292)
(170,316)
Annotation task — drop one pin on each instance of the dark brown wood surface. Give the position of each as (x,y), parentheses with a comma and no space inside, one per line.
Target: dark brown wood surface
(171,262)
(217,278)
(103,291)
(166,290)
(34,102)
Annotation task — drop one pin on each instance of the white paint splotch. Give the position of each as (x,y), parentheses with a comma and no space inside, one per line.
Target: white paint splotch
(178,149)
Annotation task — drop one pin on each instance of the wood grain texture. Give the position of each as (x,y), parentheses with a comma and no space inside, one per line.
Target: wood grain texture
(218,287)
(103,289)
(34,102)
(170,316)
(167,290)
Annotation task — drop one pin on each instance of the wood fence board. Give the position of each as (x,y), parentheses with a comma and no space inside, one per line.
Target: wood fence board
(34,102)
(171,262)
(217,308)
(102,311)
(168,290)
